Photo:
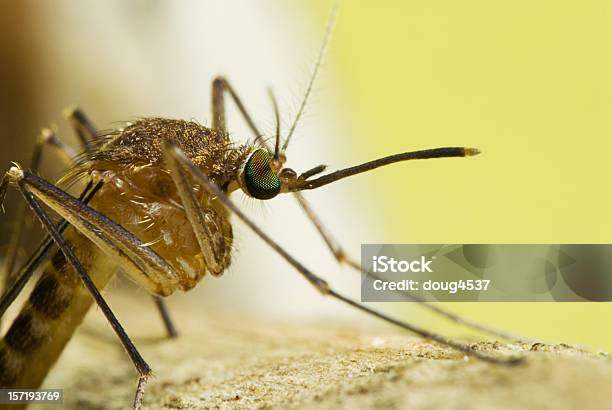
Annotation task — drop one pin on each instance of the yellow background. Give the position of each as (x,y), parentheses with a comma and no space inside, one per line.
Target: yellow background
(528,83)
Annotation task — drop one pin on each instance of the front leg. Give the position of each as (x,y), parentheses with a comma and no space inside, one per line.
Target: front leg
(342,258)
(141,365)
(219,88)
(211,228)
(47,138)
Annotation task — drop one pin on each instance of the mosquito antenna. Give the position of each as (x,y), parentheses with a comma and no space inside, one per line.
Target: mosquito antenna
(277,120)
(328,31)
(302,183)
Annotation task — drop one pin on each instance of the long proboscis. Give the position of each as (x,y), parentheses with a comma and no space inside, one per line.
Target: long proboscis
(368,166)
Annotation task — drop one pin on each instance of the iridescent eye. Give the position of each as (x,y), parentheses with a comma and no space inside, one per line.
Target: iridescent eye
(261,182)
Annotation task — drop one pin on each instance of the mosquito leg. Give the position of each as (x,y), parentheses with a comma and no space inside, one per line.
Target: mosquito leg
(3,188)
(331,243)
(15,281)
(46,138)
(204,222)
(165,315)
(88,133)
(138,260)
(320,284)
(13,247)
(342,258)
(219,87)
(39,256)
(141,366)
(82,125)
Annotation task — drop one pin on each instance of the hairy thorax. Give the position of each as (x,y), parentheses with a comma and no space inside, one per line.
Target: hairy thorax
(140,195)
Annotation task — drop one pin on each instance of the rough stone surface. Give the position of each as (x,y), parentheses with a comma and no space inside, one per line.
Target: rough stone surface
(224,363)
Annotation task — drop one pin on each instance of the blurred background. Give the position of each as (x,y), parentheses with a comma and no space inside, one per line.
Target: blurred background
(527,83)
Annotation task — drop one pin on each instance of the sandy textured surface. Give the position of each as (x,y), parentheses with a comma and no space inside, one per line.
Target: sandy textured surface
(235,364)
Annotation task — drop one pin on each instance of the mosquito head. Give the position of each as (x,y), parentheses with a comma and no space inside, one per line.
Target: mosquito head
(262,175)
(258,177)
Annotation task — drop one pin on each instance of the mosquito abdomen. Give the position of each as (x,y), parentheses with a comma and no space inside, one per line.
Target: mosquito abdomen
(53,311)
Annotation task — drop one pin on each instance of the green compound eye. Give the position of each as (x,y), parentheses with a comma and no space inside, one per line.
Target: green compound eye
(260,180)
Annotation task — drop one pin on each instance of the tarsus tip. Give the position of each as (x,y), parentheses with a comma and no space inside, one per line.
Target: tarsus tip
(70,110)
(45,134)
(470,152)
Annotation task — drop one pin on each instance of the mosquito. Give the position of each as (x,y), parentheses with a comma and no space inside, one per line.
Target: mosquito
(156,206)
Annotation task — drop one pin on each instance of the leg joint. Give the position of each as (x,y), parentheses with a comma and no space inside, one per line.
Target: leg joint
(220,82)
(15,173)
